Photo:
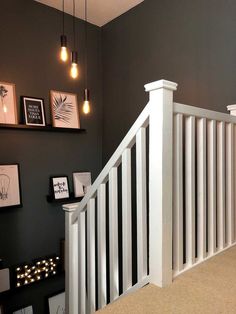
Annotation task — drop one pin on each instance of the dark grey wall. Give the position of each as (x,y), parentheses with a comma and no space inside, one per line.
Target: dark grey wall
(29,36)
(189,42)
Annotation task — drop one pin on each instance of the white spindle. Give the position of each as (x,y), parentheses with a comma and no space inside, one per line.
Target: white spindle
(91,256)
(160,181)
(141,203)
(102,276)
(113,234)
(71,260)
(190,189)
(221,184)
(230,177)
(211,175)
(178,194)
(82,264)
(201,187)
(126,219)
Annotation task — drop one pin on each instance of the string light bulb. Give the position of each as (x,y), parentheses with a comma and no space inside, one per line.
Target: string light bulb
(86,105)
(74,72)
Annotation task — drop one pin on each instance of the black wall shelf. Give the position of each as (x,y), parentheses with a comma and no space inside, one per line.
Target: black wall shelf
(71,199)
(47,128)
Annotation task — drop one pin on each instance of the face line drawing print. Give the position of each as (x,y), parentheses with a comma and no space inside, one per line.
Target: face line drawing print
(4,186)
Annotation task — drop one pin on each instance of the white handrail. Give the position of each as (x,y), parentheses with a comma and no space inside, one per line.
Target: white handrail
(114,161)
(203,113)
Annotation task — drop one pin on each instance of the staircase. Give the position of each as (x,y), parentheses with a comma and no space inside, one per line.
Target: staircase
(173,173)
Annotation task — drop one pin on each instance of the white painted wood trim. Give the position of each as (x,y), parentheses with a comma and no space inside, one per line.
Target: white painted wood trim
(115,160)
(126,219)
(102,275)
(141,183)
(91,258)
(81,278)
(190,188)
(178,194)
(211,175)
(71,263)
(160,186)
(230,181)
(203,113)
(113,234)
(221,185)
(161,84)
(201,187)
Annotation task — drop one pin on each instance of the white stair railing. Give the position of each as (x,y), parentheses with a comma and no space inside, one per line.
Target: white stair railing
(204,219)
(87,224)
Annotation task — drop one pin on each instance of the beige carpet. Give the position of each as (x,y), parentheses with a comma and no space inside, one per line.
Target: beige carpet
(207,288)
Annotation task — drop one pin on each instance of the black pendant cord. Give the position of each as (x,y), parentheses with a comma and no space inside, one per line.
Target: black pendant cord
(63,17)
(74,22)
(86,44)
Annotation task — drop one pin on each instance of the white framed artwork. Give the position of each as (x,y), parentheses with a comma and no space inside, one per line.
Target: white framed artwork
(9,186)
(56,304)
(26,310)
(8,110)
(64,109)
(81,182)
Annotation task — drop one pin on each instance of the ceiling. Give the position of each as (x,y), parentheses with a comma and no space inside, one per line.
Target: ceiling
(100,12)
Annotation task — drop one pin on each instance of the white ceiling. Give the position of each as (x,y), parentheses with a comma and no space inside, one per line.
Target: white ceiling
(100,12)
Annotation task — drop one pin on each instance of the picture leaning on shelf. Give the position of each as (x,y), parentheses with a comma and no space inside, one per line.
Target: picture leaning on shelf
(33,111)
(81,183)
(8,109)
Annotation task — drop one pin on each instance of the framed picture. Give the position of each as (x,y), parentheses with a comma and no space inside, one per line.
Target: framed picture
(60,187)
(64,109)
(25,310)
(81,182)
(8,110)
(56,303)
(10,194)
(33,109)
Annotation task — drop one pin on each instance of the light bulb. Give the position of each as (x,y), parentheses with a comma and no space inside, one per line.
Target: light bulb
(86,107)
(74,70)
(63,54)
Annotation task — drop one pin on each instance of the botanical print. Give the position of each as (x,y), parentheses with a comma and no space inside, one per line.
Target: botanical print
(9,186)
(26,310)
(64,110)
(8,112)
(57,304)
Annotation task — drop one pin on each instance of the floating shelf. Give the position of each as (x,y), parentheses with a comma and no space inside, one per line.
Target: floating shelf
(71,199)
(47,128)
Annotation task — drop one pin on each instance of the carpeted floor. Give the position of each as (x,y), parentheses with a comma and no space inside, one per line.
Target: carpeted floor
(207,288)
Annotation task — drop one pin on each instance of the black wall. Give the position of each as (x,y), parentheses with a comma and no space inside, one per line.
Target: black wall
(29,43)
(189,42)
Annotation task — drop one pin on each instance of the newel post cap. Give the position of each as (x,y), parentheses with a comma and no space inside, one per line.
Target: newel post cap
(232,109)
(160,84)
(70,208)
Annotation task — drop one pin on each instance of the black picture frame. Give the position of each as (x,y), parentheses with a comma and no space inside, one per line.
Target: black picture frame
(33,111)
(10,174)
(51,296)
(60,187)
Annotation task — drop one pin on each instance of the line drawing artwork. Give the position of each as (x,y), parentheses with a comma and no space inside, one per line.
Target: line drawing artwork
(3,94)
(62,108)
(4,186)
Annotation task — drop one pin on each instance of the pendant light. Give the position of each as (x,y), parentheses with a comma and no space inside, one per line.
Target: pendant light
(74,55)
(86,105)
(63,51)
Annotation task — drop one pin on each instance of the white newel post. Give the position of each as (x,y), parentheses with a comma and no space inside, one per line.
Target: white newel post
(71,260)
(160,181)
